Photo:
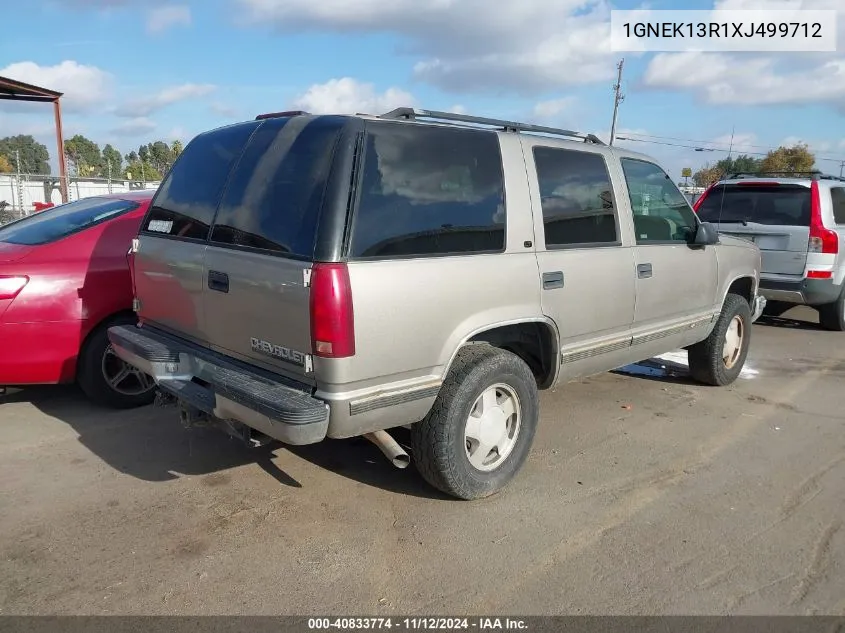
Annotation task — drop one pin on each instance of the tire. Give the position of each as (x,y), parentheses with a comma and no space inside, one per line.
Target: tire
(443,442)
(776,308)
(706,359)
(96,358)
(832,315)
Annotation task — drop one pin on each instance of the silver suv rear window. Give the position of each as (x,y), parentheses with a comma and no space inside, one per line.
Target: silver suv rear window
(781,205)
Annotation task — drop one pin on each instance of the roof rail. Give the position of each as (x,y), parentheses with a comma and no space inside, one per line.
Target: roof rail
(814,175)
(412,114)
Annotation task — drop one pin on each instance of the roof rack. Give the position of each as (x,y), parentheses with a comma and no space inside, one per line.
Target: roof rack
(813,175)
(412,114)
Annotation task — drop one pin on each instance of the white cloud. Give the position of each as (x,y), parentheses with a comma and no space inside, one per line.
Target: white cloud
(757,79)
(84,87)
(467,45)
(554,107)
(179,133)
(147,105)
(163,18)
(223,110)
(723,79)
(134,127)
(349,96)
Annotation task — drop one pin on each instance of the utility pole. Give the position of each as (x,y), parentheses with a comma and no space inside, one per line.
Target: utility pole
(617,98)
(841,168)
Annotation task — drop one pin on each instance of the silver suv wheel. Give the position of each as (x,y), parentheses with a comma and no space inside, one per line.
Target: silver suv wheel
(492,427)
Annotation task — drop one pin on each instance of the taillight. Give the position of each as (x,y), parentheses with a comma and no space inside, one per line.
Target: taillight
(822,240)
(10,287)
(332,319)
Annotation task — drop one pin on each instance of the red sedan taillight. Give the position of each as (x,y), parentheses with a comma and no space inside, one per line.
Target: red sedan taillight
(10,286)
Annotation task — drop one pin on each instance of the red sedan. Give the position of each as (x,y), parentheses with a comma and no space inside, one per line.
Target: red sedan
(64,279)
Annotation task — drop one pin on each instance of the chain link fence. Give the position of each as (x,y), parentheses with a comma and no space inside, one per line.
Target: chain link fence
(21,195)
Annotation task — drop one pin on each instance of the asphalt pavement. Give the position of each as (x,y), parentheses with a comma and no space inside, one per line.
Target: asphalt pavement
(644,494)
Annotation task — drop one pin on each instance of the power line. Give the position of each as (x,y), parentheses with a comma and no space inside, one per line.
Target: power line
(711,145)
(715,149)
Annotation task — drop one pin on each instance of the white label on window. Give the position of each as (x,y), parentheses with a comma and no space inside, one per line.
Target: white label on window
(160,226)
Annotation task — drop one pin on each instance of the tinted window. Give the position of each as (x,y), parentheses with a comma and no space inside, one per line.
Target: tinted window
(58,222)
(837,195)
(576,196)
(187,199)
(428,190)
(784,205)
(274,196)
(661,212)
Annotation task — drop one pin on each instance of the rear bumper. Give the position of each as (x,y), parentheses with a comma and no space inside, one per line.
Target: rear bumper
(282,409)
(811,292)
(39,353)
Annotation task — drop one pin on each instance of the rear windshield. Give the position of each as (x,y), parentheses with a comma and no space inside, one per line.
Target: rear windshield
(58,222)
(783,205)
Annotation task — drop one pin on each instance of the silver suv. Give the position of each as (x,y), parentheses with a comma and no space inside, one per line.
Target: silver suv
(798,222)
(300,277)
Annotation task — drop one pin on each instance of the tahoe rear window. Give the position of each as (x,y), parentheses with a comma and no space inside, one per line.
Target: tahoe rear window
(782,205)
(61,221)
(273,199)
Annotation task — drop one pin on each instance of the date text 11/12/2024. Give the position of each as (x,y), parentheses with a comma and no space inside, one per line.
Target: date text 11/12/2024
(418,623)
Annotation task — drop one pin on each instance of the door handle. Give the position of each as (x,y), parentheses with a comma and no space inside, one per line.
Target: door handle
(218,281)
(644,271)
(553,280)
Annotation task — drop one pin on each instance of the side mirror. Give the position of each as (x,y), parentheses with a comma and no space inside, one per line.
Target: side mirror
(706,235)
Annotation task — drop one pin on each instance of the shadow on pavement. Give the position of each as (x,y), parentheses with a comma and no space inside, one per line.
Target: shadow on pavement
(150,444)
(659,370)
(790,324)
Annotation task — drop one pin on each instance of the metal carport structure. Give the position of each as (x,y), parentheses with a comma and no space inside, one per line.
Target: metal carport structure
(12,90)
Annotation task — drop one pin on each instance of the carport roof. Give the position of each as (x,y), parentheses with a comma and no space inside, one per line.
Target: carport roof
(11,89)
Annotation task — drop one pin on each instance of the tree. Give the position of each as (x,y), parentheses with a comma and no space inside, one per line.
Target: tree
(707,175)
(84,156)
(160,156)
(741,164)
(789,159)
(33,155)
(5,165)
(111,155)
(176,148)
(140,171)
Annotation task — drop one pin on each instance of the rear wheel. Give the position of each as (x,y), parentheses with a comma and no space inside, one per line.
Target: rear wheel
(106,379)
(718,359)
(832,315)
(480,430)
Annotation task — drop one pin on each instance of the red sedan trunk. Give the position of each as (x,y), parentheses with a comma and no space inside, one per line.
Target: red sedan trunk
(60,282)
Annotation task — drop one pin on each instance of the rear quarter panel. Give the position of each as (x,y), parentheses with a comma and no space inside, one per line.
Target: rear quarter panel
(412,315)
(736,259)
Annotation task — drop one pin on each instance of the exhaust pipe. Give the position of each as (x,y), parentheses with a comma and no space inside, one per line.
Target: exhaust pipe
(387,445)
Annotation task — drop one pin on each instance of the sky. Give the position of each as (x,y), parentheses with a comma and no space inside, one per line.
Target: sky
(136,71)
